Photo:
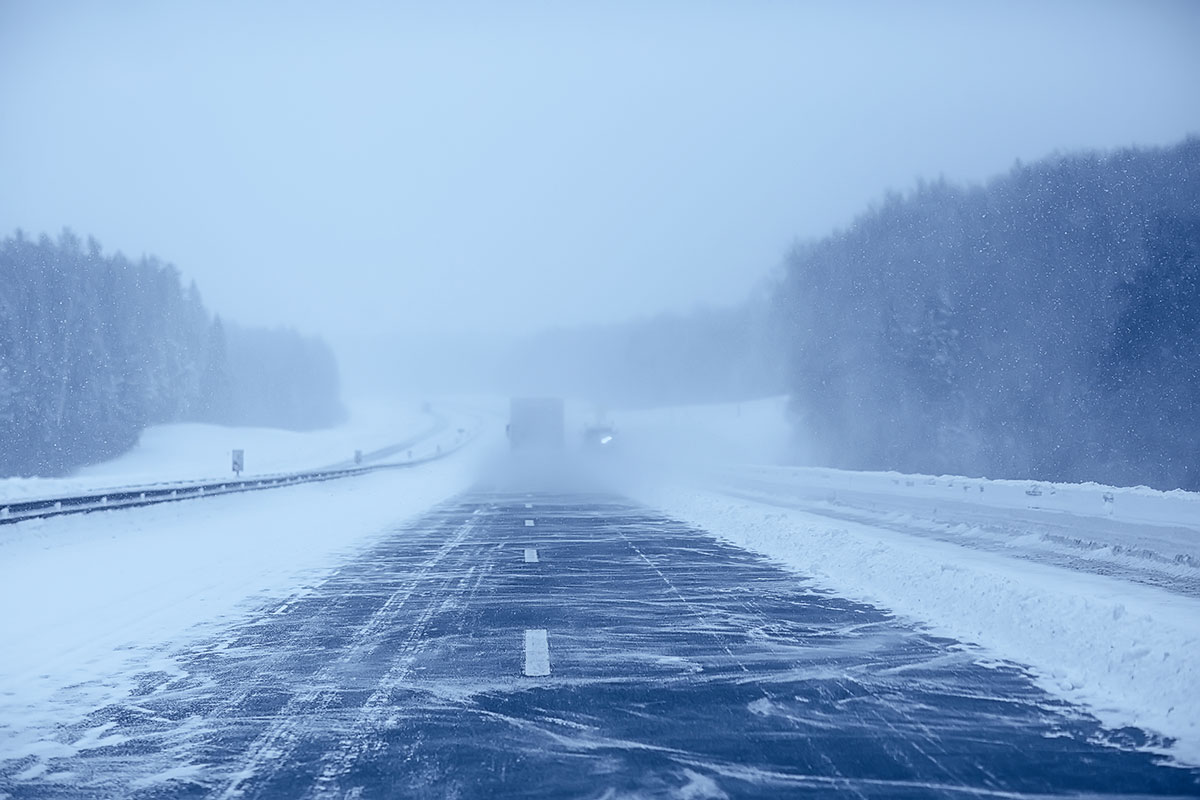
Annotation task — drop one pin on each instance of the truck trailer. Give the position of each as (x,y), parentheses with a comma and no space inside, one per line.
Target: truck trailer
(537,423)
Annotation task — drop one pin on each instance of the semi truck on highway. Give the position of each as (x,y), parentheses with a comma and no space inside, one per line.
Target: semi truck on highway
(536,423)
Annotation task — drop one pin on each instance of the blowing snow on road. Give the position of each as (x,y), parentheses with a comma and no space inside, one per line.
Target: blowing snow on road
(528,629)
(599,400)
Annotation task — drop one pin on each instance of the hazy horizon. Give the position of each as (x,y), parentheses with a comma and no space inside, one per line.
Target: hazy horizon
(474,172)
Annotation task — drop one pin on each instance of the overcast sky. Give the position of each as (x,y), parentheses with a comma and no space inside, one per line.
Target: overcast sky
(358,168)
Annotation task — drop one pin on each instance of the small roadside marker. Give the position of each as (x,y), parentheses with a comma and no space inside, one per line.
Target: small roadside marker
(528,523)
(537,654)
(529,505)
(531,555)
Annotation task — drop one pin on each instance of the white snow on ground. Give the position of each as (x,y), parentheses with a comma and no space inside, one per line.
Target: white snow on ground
(1095,589)
(181,452)
(91,600)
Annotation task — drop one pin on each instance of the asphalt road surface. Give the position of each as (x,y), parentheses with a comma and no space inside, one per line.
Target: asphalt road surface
(538,645)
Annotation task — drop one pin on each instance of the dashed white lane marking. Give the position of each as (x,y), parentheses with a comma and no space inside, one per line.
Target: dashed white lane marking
(528,523)
(530,555)
(529,505)
(537,654)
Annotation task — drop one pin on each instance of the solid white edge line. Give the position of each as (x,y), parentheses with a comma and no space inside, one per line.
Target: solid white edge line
(537,654)
(531,556)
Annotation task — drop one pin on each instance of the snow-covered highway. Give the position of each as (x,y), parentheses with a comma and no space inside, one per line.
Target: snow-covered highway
(632,625)
(634,656)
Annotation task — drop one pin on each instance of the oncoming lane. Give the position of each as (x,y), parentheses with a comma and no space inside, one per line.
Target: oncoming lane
(601,651)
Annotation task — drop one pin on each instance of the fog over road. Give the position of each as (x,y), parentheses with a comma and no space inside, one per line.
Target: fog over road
(576,644)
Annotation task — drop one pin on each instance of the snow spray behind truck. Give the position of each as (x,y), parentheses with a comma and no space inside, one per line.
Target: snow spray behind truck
(536,423)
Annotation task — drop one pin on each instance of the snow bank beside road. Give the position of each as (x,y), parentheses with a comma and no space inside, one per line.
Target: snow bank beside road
(1128,653)
(93,600)
(1026,569)
(187,452)
(1126,504)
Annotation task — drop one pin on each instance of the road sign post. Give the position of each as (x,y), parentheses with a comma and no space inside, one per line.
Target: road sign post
(238,461)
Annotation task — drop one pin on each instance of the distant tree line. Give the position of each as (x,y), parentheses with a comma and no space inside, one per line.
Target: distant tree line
(707,355)
(1044,325)
(282,380)
(93,348)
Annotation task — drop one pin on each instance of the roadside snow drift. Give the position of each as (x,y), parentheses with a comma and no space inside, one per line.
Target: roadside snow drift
(191,452)
(1095,589)
(93,600)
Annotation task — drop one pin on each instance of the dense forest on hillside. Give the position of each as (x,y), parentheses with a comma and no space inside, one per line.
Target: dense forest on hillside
(1045,325)
(93,348)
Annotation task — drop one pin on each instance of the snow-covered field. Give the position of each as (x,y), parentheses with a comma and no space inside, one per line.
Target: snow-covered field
(188,452)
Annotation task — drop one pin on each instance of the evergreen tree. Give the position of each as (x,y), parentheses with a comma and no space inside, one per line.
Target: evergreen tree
(1040,326)
(94,348)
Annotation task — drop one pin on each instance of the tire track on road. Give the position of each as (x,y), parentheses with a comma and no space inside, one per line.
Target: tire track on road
(268,754)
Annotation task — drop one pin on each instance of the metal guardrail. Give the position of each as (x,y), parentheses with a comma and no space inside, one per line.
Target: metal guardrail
(135,496)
